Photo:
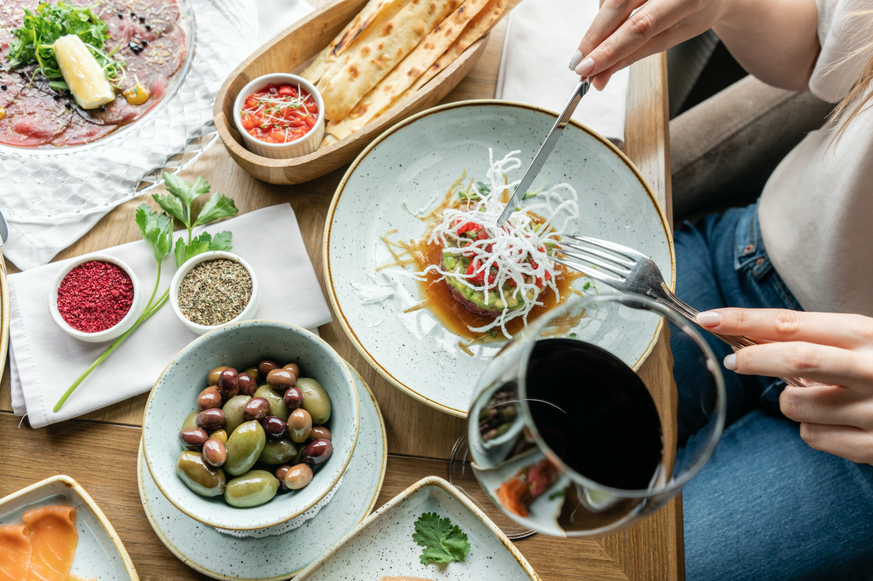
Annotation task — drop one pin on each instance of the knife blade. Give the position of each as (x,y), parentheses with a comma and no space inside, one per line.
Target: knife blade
(545,149)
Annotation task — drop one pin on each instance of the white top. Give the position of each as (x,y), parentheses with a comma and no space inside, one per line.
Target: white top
(816,210)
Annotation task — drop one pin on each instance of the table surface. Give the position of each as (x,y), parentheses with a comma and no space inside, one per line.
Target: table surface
(651,549)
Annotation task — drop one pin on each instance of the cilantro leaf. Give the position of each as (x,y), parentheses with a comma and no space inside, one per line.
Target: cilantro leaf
(157,230)
(172,206)
(179,187)
(219,206)
(443,542)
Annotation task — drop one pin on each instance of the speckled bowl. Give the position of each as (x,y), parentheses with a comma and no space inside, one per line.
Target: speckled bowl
(241,345)
(99,553)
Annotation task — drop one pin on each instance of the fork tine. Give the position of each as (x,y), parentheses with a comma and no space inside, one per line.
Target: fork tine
(590,272)
(619,270)
(623,250)
(599,253)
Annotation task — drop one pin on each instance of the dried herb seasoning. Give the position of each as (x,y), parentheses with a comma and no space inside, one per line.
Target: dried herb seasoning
(215,292)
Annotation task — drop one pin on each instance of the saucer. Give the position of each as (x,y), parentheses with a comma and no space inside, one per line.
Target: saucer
(280,557)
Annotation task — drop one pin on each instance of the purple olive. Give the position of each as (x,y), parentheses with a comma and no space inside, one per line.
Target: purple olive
(211,419)
(317,452)
(281,379)
(266,366)
(256,409)
(319,433)
(274,427)
(293,399)
(228,383)
(193,438)
(247,384)
(214,453)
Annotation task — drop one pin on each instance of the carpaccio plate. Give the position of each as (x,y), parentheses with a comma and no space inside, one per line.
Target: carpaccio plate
(38,121)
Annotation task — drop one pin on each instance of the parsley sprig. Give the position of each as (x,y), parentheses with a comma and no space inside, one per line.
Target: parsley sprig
(32,43)
(443,542)
(157,231)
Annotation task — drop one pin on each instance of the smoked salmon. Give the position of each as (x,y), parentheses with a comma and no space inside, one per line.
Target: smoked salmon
(42,549)
(14,552)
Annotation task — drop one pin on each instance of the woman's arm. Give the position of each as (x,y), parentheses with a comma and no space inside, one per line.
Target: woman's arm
(835,350)
(775,40)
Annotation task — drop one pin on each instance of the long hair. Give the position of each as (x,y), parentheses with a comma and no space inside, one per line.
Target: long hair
(860,96)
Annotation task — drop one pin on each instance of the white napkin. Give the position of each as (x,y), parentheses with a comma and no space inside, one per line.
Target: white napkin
(50,203)
(44,361)
(541,38)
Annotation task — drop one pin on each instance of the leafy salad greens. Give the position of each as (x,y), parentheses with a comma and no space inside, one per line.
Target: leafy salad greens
(33,42)
(443,542)
(157,231)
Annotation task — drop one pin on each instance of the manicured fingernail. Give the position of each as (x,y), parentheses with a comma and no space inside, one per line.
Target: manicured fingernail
(709,319)
(575,60)
(730,362)
(584,68)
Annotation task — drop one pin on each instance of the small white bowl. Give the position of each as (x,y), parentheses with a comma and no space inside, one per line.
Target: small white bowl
(246,314)
(297,148)
(136,307)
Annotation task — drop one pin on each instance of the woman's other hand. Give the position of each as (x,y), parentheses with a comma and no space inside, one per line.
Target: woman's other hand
(775,40)
(835,350)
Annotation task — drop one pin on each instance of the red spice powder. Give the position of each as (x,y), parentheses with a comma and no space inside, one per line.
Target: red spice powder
(95,296)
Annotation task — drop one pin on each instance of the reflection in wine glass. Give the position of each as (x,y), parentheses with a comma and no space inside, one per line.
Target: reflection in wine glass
(568,440)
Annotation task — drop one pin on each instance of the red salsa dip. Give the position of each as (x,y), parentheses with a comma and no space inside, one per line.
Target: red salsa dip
(279,113)
(95,296)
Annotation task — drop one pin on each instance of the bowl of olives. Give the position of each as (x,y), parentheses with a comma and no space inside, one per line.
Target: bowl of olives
(251,425)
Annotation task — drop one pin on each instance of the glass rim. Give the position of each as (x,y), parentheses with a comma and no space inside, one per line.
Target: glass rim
(529,339)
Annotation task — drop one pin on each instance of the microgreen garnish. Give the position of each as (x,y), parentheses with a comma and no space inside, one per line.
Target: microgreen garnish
(443,542)
(33,42)
(157,231)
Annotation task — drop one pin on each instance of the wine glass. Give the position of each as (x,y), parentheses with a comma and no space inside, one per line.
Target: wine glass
(566,438)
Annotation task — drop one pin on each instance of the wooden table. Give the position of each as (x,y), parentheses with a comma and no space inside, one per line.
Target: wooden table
(652,549)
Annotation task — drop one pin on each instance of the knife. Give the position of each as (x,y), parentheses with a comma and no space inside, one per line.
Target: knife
(545,149)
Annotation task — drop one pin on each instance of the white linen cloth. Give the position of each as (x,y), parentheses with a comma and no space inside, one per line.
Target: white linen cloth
(44,361)
(541,38)
(50,202)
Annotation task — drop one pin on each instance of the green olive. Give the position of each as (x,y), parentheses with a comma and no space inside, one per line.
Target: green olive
(199,476)
(233,412)
(315,400)
(189,421)
(278,451)
(244,447)
(277,402)
(251,489)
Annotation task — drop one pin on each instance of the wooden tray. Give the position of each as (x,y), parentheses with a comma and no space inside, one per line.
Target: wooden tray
(4,313)
(288,52)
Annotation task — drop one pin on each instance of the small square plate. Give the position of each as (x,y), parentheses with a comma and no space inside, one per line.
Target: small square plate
(382,544)
(99,554)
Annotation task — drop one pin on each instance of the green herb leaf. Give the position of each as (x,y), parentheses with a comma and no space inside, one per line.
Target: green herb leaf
(185,191)
(219,206)
(443,542)
(157,230)
(221,241)
(180,252)
(558,494)
(586,286)
(172,206)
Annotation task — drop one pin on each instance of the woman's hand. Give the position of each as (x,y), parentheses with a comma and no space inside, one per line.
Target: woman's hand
(835,350)
(775,40)
(617,39)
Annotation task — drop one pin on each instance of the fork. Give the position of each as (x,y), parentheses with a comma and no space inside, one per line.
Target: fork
(629,270)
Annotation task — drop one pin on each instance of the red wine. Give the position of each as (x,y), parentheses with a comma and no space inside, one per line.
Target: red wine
(594,413)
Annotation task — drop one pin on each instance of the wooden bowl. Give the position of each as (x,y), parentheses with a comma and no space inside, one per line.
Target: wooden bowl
(289,52)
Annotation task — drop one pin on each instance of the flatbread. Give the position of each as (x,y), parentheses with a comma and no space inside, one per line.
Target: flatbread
(484,21)
(372,16)
(373,61)
(386,92)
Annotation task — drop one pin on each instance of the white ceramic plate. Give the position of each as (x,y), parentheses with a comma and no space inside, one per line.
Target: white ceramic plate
(383,544)
(415,162)
(99,553)
(223,557)
(175,395)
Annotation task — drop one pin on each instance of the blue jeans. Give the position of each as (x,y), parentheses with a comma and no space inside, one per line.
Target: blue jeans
(766,506)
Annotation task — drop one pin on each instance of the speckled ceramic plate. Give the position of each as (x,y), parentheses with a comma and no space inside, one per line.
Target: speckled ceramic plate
(175,396)
(412,166)
(99,553)
(383,545)
(222,557)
